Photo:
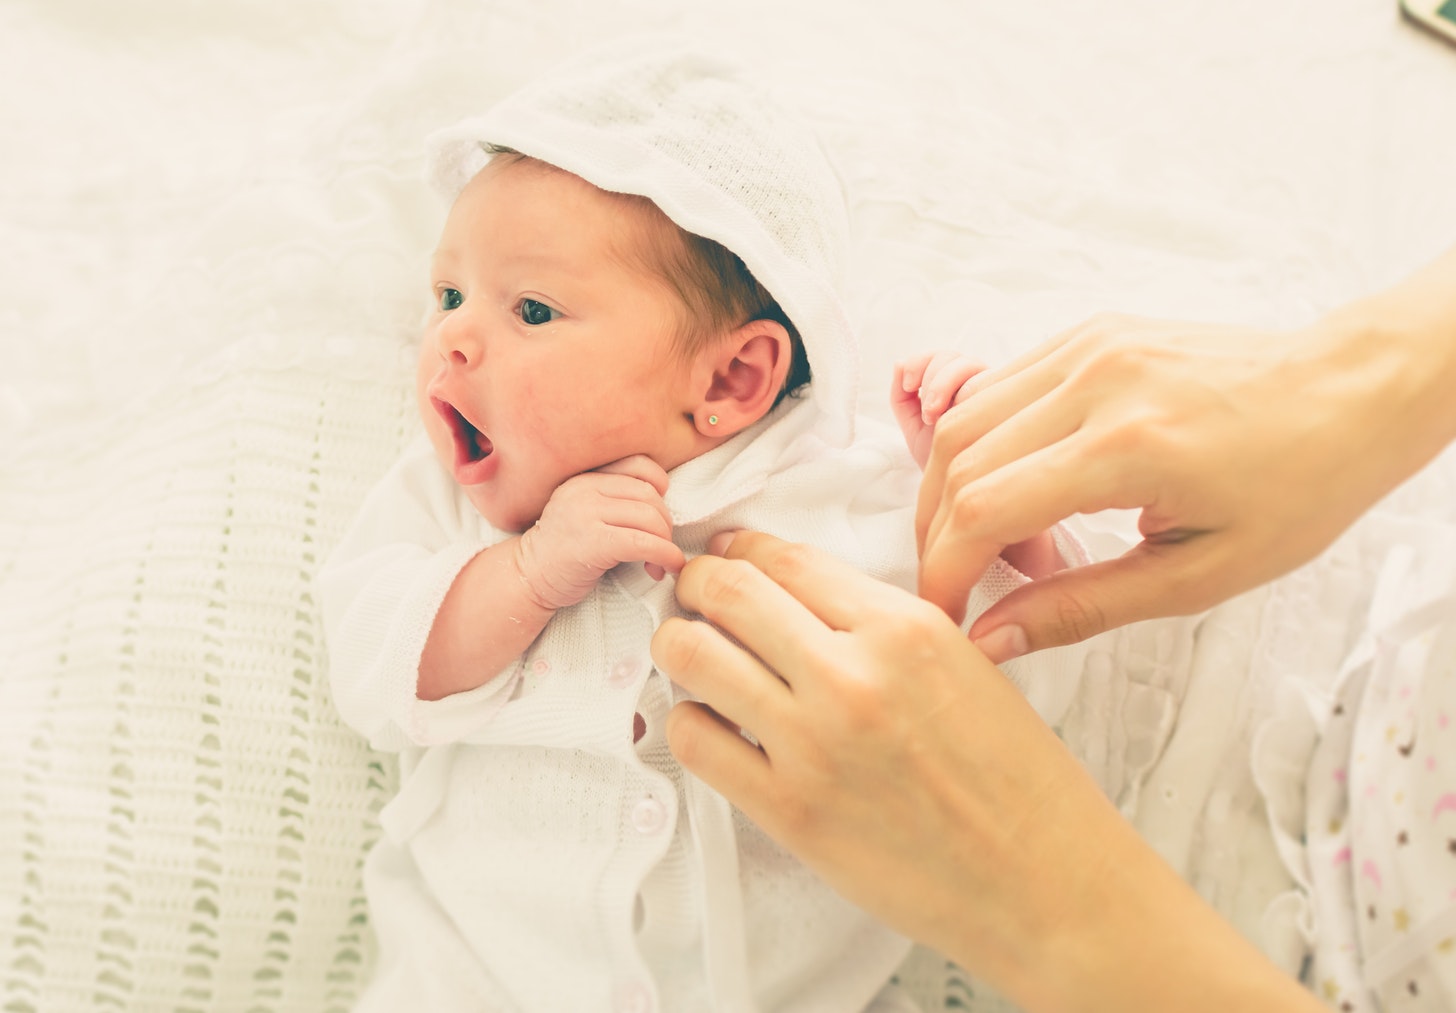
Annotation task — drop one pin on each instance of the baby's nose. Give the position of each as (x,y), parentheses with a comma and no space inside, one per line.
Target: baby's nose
(459,342)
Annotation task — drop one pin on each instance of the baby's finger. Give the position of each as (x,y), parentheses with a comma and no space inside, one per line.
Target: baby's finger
(638,466)
(640,514)
(906,408)
(909,374)
(944,377)
(633,545)
(596,492)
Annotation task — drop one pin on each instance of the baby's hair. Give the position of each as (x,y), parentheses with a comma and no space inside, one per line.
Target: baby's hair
(715,288)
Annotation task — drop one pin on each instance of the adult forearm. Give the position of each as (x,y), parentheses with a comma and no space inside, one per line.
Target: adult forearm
(1137,937)
(1395,353)
(1089,917)
(487,620)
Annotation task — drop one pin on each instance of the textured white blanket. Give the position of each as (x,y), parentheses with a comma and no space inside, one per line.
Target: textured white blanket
(212,241)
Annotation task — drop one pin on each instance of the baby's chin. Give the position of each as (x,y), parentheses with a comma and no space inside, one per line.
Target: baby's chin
(514,518)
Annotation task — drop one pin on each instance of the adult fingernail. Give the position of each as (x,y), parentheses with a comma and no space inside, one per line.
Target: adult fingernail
(718,544)
(1003,643)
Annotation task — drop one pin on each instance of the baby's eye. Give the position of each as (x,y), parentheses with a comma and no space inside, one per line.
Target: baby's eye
(533,312)
(450,299)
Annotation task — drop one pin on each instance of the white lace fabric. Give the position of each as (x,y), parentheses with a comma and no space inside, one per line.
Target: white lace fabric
(183,810)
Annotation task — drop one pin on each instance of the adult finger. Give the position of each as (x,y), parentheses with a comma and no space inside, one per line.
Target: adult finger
(837,594)
(702,661)
(712,749)
(1043,424)
(1016,502)
(1064,350)
(1147,582)
(1054,347)
(745,603)
(966,423)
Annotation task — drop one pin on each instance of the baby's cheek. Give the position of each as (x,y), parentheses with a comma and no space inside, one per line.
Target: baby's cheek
(546,414)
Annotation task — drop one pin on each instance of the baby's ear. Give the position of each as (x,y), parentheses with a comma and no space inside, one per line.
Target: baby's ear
(743,374)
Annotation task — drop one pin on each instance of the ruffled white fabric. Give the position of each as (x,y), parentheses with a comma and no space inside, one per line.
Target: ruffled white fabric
(1358,761)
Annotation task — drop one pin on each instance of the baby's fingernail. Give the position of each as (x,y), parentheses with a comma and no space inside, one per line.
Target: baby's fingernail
(718,544)
(1003,643)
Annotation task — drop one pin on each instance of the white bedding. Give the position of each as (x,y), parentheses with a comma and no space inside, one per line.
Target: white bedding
(212,238)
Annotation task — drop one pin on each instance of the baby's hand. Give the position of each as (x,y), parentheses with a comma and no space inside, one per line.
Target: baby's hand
(924,388)
(591,523)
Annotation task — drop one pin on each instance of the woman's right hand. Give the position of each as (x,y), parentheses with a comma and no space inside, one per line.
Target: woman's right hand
(1247,452)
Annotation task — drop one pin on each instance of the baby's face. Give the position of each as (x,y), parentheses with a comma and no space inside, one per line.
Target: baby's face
(546,354)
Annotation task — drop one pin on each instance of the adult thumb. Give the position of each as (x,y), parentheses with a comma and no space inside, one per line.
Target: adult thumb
(1071,605)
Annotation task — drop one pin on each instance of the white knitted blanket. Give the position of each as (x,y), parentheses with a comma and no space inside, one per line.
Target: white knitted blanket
(212,235)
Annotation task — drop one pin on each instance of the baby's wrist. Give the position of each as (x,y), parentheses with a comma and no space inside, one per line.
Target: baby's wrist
(535,588)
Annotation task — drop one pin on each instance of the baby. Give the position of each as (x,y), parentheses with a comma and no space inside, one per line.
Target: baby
(605,382)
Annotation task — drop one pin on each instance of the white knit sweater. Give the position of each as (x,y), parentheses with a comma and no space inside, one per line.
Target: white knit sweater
(536,857)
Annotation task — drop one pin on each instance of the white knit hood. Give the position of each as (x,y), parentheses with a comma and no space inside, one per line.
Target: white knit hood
(698,139)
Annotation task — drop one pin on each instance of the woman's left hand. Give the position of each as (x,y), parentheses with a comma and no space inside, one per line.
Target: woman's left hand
(892,757)
(906,770)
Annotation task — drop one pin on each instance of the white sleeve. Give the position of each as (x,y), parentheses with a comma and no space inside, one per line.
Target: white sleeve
(380,590)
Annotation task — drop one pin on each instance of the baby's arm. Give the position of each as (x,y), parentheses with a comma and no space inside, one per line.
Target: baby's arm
(502,599)
(924,388)
(415,542)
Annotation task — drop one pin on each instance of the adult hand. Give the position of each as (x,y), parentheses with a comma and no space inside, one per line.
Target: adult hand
(1247,452)
(911,775)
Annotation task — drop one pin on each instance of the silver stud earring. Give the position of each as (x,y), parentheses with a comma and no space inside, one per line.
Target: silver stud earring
(712,420)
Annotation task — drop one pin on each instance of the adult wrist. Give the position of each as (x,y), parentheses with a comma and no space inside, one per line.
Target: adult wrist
(1391,363)
(1147,940)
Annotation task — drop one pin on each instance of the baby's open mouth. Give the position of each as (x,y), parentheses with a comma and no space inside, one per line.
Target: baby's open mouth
(471,444)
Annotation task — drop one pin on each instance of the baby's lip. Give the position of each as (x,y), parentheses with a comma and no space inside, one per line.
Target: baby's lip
(472,446)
